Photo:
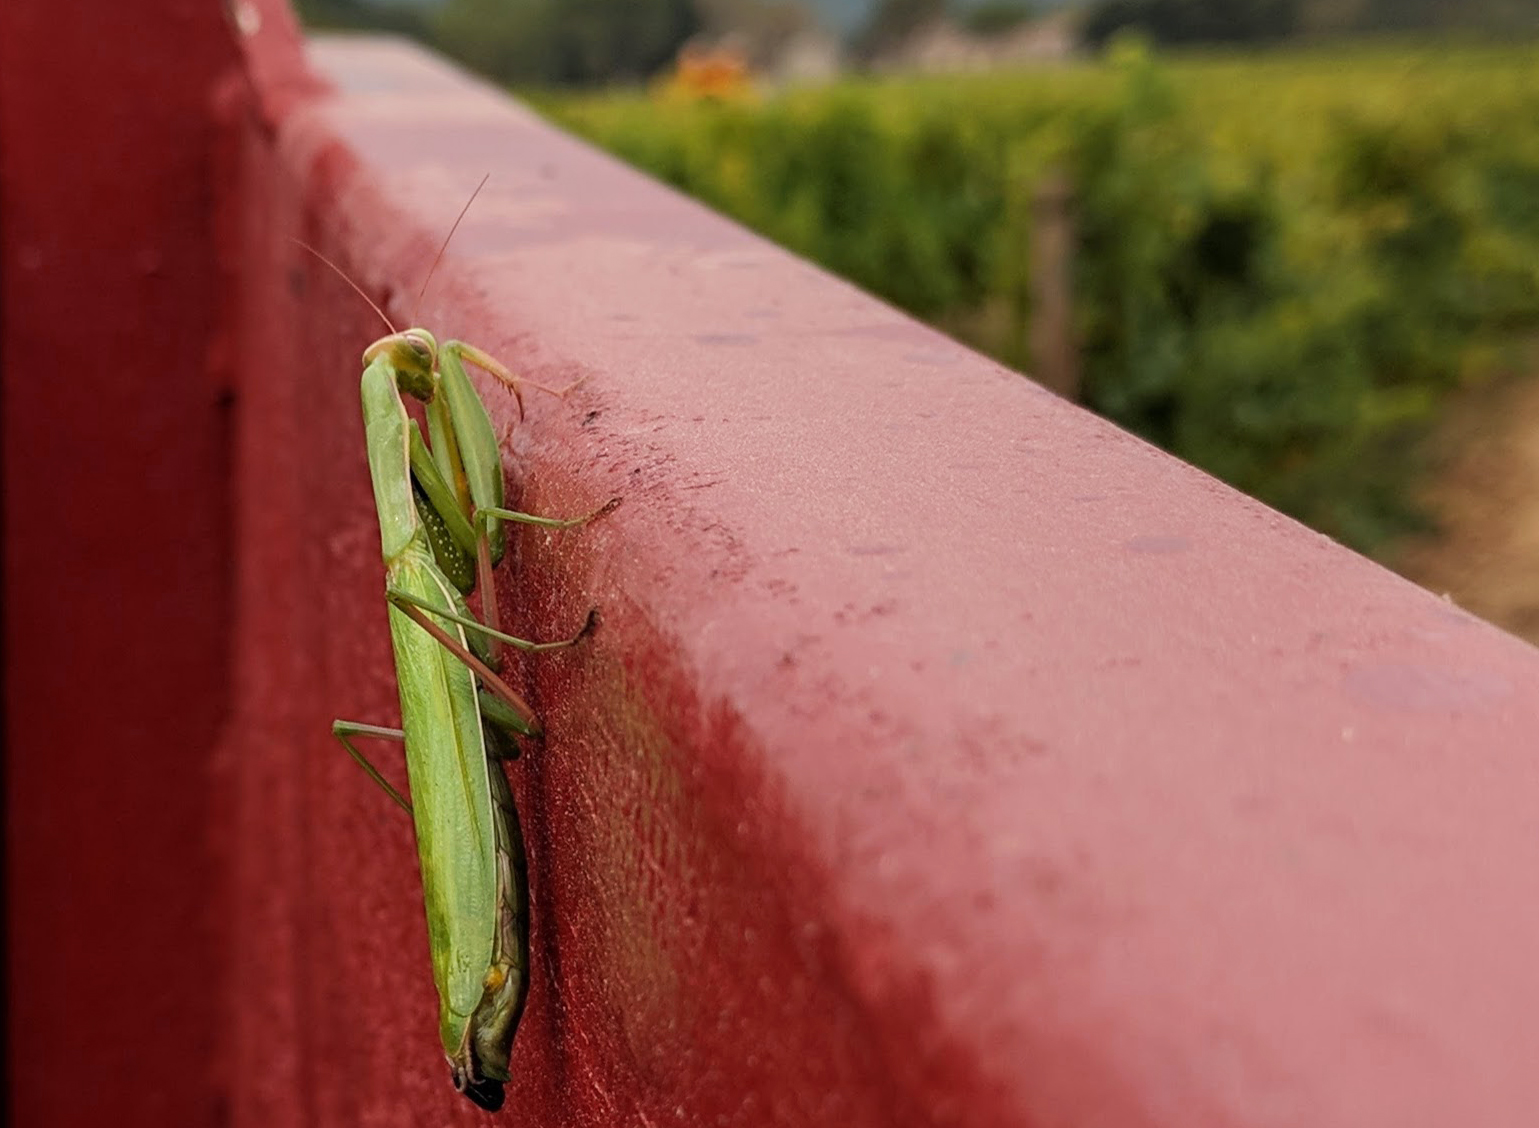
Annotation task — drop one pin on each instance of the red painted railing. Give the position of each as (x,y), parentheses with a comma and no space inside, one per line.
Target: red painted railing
(944,755)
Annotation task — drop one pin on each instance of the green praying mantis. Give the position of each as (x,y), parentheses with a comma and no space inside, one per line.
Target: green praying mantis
(441,512)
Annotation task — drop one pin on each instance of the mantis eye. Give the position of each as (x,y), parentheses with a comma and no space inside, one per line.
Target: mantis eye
(419,347)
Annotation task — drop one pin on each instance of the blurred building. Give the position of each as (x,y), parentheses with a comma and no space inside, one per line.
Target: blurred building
(812,55)
(944,46)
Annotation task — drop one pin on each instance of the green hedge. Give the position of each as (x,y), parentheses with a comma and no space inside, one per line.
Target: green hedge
(1285,262)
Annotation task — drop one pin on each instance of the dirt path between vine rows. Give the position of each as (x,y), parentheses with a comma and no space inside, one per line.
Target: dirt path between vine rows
(1485,496)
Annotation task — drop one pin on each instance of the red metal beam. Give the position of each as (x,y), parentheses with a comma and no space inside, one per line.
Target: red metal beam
(944,755)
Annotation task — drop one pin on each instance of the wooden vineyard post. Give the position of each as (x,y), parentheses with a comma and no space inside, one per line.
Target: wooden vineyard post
(1054,358)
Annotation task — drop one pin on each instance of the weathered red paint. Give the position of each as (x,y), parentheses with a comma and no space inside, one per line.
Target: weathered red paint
(944,756)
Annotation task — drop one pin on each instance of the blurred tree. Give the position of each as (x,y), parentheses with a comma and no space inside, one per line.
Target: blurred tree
(893,21)
(1406,15)
(352,14)
(993,17)
(566,42)
(504,39)
(1192,21)
(778,18)
(1328,16)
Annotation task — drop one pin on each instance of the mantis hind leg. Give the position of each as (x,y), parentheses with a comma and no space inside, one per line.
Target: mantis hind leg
(503,722)
(344,729)
(417,611)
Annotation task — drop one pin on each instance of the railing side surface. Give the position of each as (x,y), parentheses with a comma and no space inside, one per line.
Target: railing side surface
(117,545)
(943,755)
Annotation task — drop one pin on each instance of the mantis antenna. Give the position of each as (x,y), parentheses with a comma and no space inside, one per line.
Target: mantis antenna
(357,289)
(416,306)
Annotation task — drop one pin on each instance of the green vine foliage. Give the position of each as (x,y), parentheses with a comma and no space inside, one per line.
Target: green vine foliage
(1284,262)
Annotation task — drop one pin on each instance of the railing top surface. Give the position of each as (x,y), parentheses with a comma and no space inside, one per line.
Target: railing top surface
(1168,775)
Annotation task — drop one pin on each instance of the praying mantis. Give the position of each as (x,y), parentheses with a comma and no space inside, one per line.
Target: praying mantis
(440,511)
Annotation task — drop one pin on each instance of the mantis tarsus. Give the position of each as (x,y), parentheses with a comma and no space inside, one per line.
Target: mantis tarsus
(440,511)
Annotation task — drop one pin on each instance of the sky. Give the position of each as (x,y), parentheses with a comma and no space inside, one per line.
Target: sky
(846,15)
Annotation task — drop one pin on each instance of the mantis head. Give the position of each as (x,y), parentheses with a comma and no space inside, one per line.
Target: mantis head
(413,354)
